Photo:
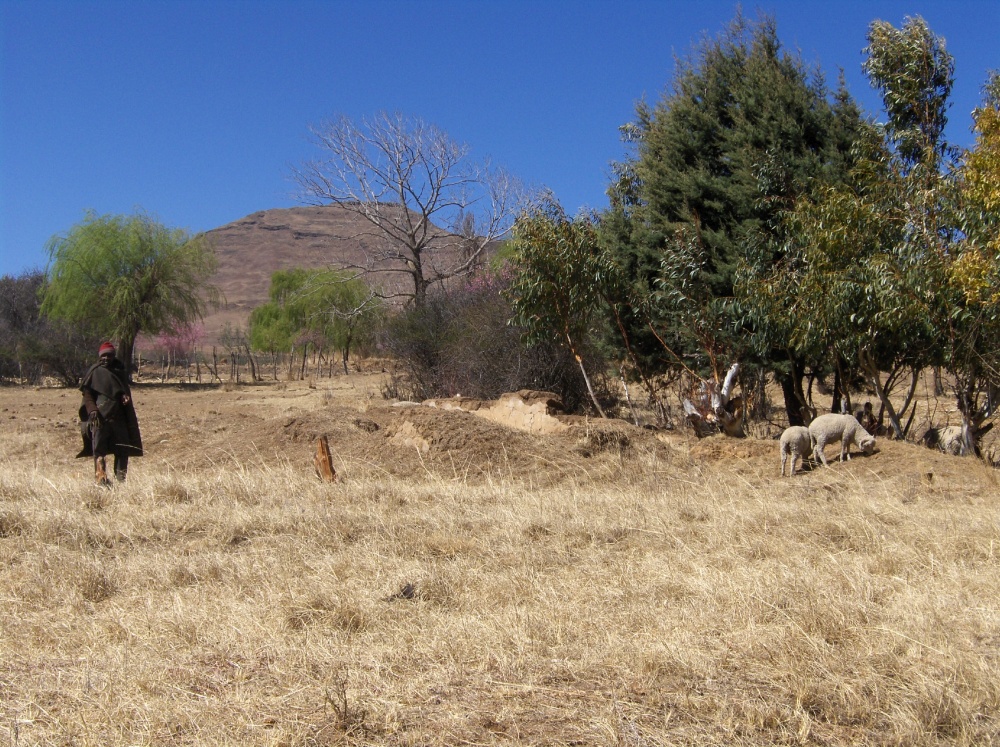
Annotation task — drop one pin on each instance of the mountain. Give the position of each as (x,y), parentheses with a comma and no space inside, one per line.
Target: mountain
(249,250)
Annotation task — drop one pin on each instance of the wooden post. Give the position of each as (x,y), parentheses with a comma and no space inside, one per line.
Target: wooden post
(323,461)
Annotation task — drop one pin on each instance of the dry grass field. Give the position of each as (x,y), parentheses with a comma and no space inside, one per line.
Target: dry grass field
(598,586)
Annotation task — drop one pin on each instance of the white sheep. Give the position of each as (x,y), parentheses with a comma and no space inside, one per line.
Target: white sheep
(948,439)
(833,427)
(796,441)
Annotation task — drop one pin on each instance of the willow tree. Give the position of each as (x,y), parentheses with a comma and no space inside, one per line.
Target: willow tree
(125,275)
(324,306)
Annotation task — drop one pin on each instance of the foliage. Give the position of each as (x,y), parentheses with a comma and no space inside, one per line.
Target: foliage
(181,339)
(461,343)
(319,307)
(123,275)
(431,210)
(30,345)
(746,131)
(979,215)
(894,271)
(915,73)
(562,279)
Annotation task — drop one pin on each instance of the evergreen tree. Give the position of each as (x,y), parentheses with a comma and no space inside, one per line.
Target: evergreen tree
(745,131)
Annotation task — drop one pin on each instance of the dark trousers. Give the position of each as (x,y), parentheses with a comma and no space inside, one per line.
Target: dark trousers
(108,438)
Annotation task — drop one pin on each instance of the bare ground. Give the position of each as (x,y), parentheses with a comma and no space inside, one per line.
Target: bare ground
(193,427)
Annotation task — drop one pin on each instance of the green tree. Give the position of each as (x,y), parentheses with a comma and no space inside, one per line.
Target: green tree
(560,279)
(746,130)
(973,272)
(124,275)
(828,295)
(30,345)
(896,271)
(325,306)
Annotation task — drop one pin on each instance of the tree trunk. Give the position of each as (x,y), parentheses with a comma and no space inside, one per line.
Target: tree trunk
(915,373)
(714,408)
(796,407)
(875,376)
(590,389)
(126,349)
(586,379)
(253,365)
(837,404)
(347,349)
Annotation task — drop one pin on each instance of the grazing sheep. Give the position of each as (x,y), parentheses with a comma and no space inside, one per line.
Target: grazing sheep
(832,427)
(796,441)
(948,439)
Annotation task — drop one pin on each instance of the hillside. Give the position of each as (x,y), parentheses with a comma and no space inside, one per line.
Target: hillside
(472,581)
(249,250)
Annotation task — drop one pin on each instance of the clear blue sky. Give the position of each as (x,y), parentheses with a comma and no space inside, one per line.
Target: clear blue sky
(194,110)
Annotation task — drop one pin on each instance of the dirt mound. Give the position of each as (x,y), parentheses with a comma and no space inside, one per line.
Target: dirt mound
(455,443)
(462,439)
(516,438)
(901,466)
(720,447)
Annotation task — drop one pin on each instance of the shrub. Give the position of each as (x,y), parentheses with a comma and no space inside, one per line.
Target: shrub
(30,346)
(461,342)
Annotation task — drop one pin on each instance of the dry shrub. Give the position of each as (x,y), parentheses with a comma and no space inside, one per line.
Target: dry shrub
(97,585)
(321,610)
(461,343)
(12,524)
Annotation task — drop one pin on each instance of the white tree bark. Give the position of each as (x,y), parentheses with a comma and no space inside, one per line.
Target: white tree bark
(714,409)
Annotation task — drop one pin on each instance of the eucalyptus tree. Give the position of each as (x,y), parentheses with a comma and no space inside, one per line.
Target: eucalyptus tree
(561,280)
(898,269)
(974,273)
(914,73)
(124,275)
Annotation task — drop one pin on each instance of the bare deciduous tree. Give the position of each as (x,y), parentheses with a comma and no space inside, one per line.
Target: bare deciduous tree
(430,211)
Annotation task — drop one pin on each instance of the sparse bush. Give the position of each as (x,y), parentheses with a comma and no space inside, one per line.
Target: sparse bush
(30,346)
(461,343)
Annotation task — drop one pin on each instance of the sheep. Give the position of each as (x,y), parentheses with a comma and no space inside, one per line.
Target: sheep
(833,427)
(948,439)
(796,441)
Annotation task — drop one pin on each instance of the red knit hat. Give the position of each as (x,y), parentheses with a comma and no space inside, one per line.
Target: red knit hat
(106,348)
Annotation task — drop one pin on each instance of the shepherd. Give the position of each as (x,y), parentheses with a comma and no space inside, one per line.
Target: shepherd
(108,421)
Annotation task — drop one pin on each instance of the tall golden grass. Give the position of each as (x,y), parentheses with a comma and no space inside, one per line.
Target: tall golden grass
(664,605)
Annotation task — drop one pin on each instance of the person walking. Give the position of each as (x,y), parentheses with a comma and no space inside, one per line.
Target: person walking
(108,421)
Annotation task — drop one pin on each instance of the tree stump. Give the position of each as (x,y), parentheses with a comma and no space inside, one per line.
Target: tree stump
(323,461)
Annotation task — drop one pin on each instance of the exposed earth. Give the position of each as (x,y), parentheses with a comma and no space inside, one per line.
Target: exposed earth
(522,438)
